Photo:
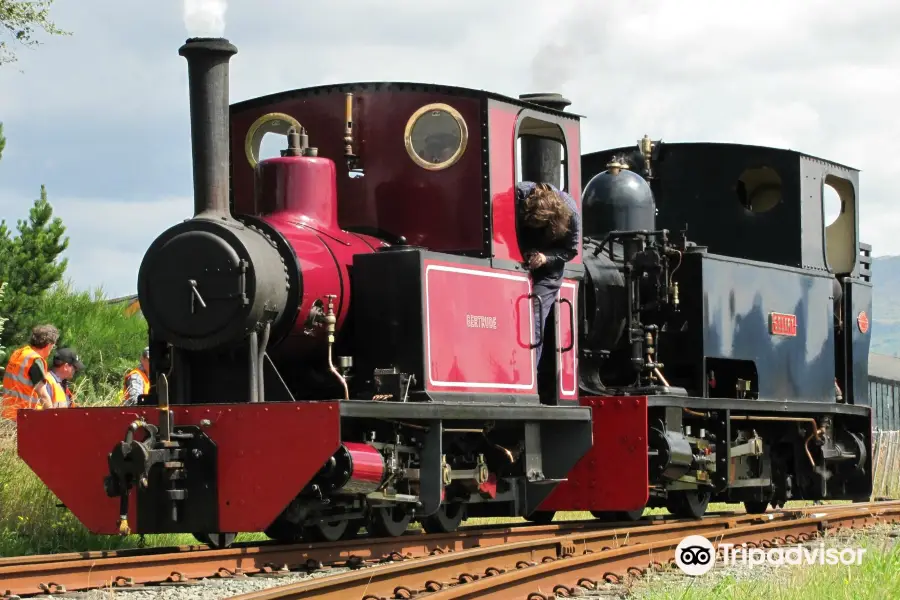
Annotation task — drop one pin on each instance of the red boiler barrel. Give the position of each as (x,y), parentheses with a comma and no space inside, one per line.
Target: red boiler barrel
(297,196)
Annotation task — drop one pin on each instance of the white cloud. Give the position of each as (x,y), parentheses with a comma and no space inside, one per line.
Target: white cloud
(814,77)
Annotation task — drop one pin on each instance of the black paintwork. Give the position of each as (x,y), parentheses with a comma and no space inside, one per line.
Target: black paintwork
(617,201)
(208,88)
(698,184)
(198,512)
(757,406)
(446,411)
(726,303)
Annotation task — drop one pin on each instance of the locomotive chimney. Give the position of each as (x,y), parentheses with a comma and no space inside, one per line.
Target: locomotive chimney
(542,158)
(208,89)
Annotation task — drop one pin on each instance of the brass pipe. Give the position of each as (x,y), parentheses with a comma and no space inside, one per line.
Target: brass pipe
(330,321)
(348,126)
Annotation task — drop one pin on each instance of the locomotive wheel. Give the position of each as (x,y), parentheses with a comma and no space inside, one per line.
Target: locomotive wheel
(353,527)
(446,519)
(541,517)
(284,531)
(756,507)
(688,504)
(326,532)
(216,540)
(391,521)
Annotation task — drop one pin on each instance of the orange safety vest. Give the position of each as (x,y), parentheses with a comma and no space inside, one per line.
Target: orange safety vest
(128,376)
(57,394)
(18,391)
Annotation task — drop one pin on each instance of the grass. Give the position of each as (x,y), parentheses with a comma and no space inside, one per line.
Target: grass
(878,576)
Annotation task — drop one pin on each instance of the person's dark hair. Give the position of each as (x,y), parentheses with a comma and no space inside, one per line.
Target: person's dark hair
(545,208)
(44,335)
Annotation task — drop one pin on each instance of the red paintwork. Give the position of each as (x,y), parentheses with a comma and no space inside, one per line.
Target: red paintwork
(614,474)
(297,196)
(441,210)
(488,489)
(782,324)
(266,454)
(302,185)
(478,328)
(573,136)
(502,120)
(862,321)
(567,361)
(368,464)
(502,126)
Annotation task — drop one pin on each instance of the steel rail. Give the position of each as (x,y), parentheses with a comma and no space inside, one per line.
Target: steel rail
(128,568)
(524,567)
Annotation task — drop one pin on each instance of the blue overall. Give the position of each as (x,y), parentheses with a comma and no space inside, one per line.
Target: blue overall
(546,279)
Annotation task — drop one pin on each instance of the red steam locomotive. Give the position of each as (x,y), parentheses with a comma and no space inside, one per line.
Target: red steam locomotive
(341,337)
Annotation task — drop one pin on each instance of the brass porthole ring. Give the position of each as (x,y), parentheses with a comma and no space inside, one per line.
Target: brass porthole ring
(449,154)
(274,122)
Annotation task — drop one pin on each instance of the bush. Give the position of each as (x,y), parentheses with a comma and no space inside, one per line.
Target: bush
(108,341)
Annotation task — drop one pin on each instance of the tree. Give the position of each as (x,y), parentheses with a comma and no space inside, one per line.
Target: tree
(2,322)
(2,141)
(30,264)
(19,19)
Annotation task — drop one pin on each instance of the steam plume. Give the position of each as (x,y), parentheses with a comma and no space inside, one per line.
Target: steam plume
(205,18)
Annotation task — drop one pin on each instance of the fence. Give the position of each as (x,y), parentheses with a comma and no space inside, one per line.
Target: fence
(886,464)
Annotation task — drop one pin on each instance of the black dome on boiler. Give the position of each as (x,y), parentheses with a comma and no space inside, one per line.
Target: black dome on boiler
(617,200)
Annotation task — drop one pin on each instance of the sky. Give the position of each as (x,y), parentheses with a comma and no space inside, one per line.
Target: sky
(101,117)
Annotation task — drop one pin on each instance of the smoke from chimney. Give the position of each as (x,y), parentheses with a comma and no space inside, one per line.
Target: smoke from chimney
(205,18)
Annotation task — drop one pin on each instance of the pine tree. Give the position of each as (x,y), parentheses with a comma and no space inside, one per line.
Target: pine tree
(30,264)
(2,322)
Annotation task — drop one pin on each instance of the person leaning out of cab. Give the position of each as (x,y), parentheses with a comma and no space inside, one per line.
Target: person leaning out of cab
(25,382)
(65,365)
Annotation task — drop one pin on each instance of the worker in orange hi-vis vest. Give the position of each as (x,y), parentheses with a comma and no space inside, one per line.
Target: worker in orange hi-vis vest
(66,365)
(137,381)
(25,383)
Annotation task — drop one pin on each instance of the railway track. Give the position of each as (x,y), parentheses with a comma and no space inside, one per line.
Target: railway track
(415,563)
(546,569)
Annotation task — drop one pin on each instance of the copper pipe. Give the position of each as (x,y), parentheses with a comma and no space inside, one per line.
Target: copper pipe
(336,372)
(696,413)
(817,432)
(657,372)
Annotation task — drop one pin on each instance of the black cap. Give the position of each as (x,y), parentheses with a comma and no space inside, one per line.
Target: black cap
(68,356)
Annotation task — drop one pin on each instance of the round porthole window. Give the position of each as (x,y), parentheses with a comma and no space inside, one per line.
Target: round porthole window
(275,123)
(436,136)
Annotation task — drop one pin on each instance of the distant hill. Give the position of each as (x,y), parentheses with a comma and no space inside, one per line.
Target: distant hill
(886,305)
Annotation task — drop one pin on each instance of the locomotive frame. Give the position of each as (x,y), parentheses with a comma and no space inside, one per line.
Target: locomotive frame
(342,336)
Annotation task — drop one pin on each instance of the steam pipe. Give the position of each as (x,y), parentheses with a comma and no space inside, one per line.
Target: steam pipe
(208,89)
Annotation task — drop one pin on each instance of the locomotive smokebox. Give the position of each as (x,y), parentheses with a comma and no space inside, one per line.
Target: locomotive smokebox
(208,88)
(542,157)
